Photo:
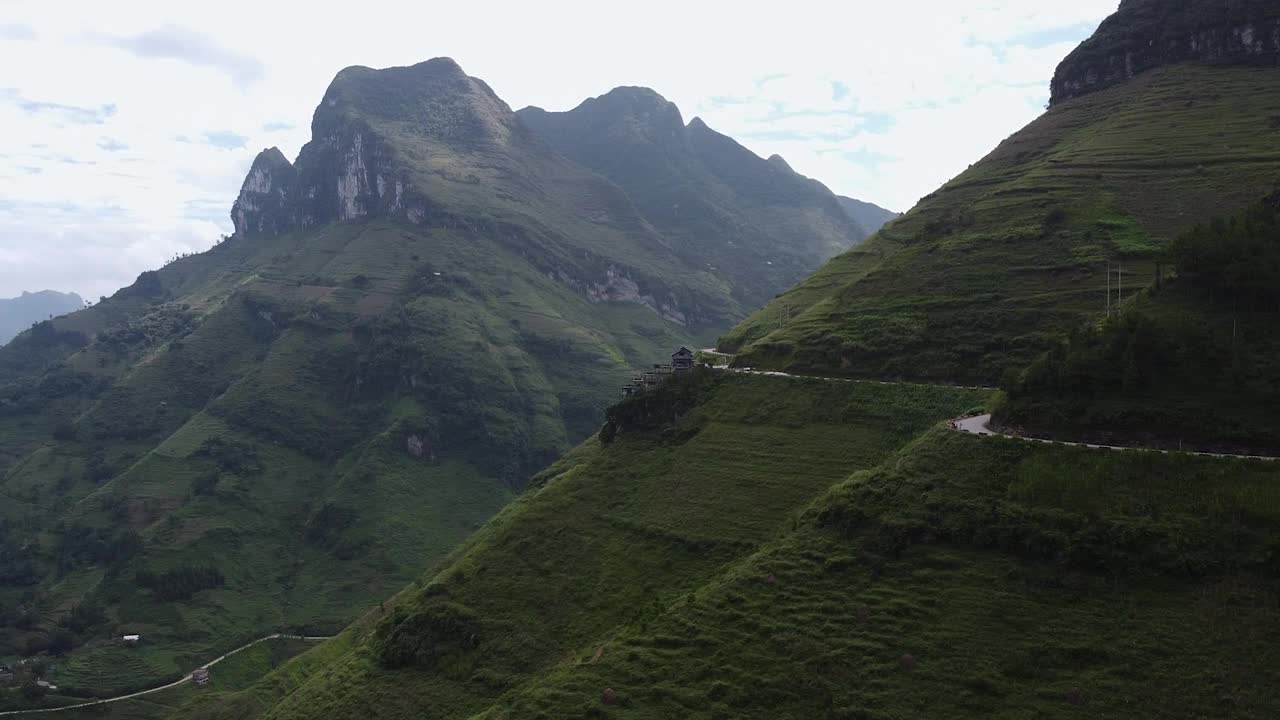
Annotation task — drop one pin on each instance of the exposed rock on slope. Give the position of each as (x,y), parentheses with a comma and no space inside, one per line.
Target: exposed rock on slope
(266,204)
(1144,34)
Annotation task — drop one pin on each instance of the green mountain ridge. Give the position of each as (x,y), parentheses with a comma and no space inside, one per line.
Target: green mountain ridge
(986,273)
(716,200)
(427,306)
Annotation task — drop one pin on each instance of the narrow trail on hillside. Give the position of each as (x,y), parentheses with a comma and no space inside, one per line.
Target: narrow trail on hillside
(980,424)
(184,679)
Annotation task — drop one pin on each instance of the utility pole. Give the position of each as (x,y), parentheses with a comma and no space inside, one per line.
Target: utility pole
(1108,288)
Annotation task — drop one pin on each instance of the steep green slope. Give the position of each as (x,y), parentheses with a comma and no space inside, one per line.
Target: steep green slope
(315,442)
(18,314)
(968,578)
(703,473)
(987,272)
(426,308)
(668,575)
(1189,363)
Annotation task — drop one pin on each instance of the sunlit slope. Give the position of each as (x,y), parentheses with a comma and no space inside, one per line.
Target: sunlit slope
(984,272)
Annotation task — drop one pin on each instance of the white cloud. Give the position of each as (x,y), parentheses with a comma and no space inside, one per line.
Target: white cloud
(881,101)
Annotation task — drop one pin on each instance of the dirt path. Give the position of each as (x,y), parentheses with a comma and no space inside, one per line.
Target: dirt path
(185,679)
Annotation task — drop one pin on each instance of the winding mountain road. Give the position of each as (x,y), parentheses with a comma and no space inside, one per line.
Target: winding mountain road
(185,679)
(980,424)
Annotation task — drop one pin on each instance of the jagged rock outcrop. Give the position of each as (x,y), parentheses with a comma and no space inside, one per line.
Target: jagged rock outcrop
(618,199)
(349,169)
(265,203)
(1145,34)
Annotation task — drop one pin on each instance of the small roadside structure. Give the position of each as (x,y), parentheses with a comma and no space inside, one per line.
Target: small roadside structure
(682,360)
(131,639)
(6,675)
(200,676)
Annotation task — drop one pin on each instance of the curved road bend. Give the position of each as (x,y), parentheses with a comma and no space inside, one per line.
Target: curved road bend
(185,679)
(981,425)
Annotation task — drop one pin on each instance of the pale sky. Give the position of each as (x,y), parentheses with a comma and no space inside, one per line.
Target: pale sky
(129,126)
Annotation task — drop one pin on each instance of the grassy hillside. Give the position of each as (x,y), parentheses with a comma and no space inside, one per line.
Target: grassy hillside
(327,415)
(700,477)
(230,676)
(703,567)
(988,272)
(966,578)
(1190,362)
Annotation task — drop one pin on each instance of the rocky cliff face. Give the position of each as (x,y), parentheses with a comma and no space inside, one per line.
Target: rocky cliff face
(349,169)
(265,203)
(1144,34)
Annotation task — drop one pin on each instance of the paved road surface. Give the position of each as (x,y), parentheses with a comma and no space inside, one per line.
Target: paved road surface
(174,684)
(981,425)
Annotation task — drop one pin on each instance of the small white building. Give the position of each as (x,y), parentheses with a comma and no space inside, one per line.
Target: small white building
(131,639)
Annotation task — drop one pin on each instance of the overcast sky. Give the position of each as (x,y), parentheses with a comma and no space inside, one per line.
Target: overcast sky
(129,126)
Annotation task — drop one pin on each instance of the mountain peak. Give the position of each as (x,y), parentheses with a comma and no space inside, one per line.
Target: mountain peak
(1145,34)
(778,160)
(261,207)
(369,137)
(435,97)
(639,105)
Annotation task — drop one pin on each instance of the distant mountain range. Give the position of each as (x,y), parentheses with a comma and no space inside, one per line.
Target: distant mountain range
(18,314)
(870,217)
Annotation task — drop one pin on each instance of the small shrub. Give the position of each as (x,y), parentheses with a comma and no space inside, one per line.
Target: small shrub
(427,637)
